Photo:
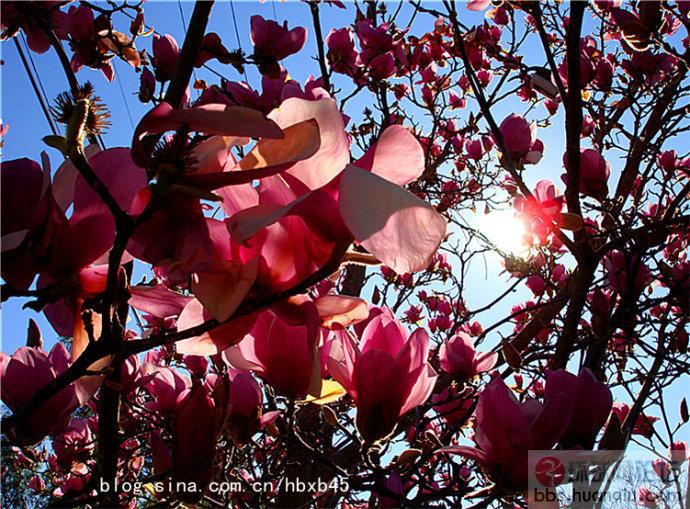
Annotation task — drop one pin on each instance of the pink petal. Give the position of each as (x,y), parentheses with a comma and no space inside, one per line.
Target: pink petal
(465,451)
(341,310)
(398,228)
(486,361)
(208,118)
(334,152)
(221,292)
(157,300)
(217,339)
(478,5)
(268,157)
(397,156)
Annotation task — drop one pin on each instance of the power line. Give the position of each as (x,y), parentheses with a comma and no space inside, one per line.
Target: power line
(237,34)
(124,99)
(41,101)
(33,66)
(184,30)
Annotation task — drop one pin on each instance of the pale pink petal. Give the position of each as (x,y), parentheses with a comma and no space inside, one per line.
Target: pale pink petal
(422,387)
(341,310)
(208,118)
(217,339)
(268,157)
(478,5)
(334,152)
(465,451)
(398,228)
(486,361)
(397,156)
(157,300)
(221,292)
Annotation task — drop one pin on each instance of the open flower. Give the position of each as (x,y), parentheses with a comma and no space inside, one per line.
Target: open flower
(273,42)
(591,402)
(506,430)
(22,375)
(387,373)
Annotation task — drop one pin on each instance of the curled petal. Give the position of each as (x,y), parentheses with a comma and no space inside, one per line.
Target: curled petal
(268,157)
(208,118)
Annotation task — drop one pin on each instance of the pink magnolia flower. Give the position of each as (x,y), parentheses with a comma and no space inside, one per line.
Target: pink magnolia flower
(284,353)
(394,485)
(36,484)
(458,358)
(75,443)
(89,48)
(662,469)
(536,283)
(679,452)
(20,15)
(194,440)
(475,149)
(164,384)
(621,270)
(342,55)
(340,201)
(452,405)
(26,204)
(166,53)
(644,425)
(386,373)
(647,498)
(244,404)
(484,77)
(273,42)
(22,375)
(456,101)
(520,138)
(506,430)
(591,402)
(594,173)
(544,203)
(147,85)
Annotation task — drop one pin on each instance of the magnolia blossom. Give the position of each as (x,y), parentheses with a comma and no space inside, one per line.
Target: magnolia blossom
(342,55)
(166,53)
(594,173)
(644,425)
(285,354)
(194,440)
(506,430)
(679,452)
(662,469)
(458,358)
(273,42)
(387,372)
(520,138)
(647,498)
(244,404)
(22,375)
(591,402)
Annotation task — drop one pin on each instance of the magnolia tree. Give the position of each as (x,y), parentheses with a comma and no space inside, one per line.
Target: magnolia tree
(265,299)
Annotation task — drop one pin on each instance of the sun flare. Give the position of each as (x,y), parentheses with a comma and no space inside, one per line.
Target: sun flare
(504,229)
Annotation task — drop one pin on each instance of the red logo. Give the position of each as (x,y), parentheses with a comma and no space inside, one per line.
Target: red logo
(549,471)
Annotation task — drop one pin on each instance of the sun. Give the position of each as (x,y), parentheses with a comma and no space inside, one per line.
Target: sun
(505,230)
